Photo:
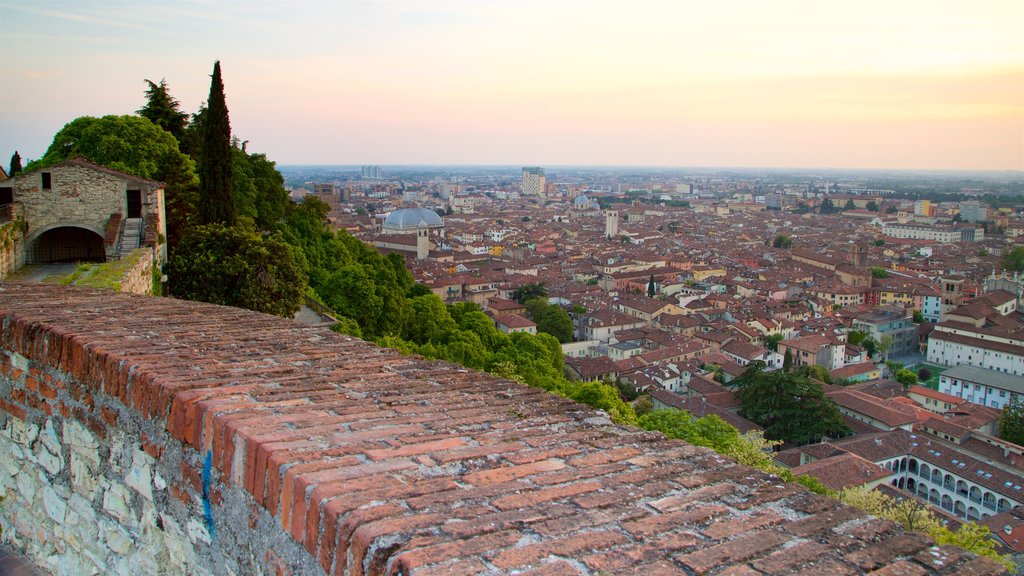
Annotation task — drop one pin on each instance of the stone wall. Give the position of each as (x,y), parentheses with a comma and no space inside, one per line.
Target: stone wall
(142,434)
(139,278)
(12,247)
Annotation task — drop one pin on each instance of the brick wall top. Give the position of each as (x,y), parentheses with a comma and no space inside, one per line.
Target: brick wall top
(378,463)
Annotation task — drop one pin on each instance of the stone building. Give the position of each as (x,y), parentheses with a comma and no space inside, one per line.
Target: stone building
(78,211)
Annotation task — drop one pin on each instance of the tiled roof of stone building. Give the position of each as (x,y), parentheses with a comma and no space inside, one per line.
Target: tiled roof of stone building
(386,464)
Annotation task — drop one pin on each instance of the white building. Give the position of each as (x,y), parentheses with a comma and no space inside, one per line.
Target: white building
(981,386)
(942,235)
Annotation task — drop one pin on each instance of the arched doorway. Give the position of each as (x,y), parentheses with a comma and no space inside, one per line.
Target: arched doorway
(68,244)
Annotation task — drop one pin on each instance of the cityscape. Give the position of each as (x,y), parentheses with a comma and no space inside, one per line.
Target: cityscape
(574,288)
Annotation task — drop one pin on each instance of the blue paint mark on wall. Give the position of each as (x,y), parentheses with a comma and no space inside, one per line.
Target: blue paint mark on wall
(207,508)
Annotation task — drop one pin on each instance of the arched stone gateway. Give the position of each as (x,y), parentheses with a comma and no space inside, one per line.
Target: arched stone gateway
(66,244)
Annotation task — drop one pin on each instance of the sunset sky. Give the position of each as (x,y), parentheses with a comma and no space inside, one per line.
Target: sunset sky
(786,83)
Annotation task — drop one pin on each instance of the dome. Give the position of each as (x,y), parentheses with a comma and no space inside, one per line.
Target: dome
(582,201)
(412,219)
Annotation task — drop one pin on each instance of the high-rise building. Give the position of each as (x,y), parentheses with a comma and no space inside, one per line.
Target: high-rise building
(534,181)
(372,173)
(973,211)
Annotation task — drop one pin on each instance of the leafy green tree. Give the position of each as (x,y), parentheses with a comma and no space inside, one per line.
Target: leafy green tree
(1013,260)
(529,292)
(135,146)
(817,372)
(924,374)
(771,342)
(258,189)
(787,360)
(216,192)
(347,326)
(782,241)
(918,317)
(884,344)
(849,205)
(870,345)
(603,397)
(877,272)
(826,206)
(1011,421)
(915,516)
(550,319)
(879,242)
(856,337)
(15,164)
(872,206)
(790,406)
(430,320)
(906,377)
(627,391)
(164,110)
(651,287)
(236,266)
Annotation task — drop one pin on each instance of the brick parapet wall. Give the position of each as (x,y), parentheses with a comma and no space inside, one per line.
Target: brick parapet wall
(343,458)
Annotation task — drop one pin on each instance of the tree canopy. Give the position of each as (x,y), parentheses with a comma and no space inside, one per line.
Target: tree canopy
(15,164)
(1011,421)
(164,110)
(236,266)
(1013,259)
(790,406)
(782,241)
(529,292)
(135,146)
(550,319)
(127,143)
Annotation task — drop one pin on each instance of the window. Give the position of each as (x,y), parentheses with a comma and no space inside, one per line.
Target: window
(6,195)
(47,184)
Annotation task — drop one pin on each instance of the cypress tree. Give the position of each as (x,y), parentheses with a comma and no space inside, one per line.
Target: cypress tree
(15,164)
(216,178)
(787,361)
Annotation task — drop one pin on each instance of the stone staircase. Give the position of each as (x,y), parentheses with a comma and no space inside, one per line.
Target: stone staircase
(131,236)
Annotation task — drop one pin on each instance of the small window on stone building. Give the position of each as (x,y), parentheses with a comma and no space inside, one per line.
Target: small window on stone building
(6,195)
(47,184)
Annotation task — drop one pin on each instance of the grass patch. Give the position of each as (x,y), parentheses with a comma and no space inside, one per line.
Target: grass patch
(107,275)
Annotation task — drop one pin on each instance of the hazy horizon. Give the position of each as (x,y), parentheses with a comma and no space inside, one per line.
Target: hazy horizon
(914,86)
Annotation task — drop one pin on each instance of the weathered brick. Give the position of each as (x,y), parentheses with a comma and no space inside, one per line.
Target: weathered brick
(901,568)
(879,554)
(656,524)
(506,473)
(532,553)
(533,497)
(727,527)
(740,549)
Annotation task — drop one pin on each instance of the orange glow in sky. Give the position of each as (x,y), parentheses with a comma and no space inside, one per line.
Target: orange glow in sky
(870,84)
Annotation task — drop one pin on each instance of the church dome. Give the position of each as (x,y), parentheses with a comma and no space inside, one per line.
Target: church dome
(412,219)
(581,201)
